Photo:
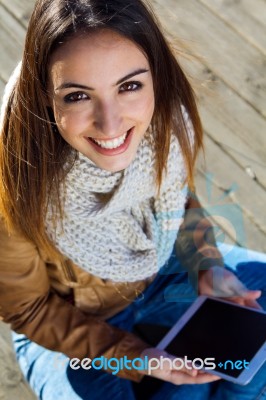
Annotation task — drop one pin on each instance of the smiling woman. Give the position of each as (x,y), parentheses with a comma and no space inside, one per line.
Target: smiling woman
(99,137)
(101,93)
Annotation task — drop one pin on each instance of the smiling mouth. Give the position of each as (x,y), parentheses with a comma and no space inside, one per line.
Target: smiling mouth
(111,144)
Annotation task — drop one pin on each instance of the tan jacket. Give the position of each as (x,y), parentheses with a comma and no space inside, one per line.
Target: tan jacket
(63,308)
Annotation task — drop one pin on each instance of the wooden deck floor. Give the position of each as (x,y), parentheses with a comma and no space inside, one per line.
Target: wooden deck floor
(229,36)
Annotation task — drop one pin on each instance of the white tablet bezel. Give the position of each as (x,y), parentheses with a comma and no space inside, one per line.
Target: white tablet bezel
(256,362)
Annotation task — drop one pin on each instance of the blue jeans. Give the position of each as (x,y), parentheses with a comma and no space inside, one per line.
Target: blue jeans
(163,302)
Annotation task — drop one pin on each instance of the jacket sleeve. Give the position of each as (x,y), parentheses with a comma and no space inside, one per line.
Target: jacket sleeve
(195,245)
(32,308)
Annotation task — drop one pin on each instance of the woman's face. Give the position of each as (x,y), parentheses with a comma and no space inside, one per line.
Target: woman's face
(102,96)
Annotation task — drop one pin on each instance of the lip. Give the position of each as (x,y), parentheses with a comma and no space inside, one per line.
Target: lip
(117,150)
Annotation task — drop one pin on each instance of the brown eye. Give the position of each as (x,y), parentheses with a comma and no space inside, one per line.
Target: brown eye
(76,97)
(130,87)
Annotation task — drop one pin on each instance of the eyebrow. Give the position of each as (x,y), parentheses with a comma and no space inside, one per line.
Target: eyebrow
(68,85)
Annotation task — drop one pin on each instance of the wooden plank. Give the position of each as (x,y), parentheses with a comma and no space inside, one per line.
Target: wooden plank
(257,9)
(240,19)
(2,86)
(226,173)
(11,43)
(11,26)
(212,196)
(21,9)
(12,382)
(231,121)
(21,392)
(235,61)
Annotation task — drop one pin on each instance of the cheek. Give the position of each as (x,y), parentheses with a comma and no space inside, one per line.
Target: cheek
(144,109)
(70,123)
(60,117)
(151,105)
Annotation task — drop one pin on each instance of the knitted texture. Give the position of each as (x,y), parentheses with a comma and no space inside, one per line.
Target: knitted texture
(115,225)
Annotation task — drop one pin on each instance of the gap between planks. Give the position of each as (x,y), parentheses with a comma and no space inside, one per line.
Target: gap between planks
(193,21)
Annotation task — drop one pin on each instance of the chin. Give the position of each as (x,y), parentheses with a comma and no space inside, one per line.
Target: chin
(115,166)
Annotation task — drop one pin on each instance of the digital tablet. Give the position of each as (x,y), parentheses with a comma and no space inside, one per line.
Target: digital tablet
(220,337)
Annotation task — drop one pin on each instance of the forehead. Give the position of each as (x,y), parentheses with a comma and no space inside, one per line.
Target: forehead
(99,55)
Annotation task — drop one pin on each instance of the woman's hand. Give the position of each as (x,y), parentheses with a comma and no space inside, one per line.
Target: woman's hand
(219,282)
(166,371)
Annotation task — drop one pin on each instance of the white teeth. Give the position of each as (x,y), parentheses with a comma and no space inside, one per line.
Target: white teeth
(111,144)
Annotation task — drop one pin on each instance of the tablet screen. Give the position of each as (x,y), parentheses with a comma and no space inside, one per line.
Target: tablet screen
(221,331)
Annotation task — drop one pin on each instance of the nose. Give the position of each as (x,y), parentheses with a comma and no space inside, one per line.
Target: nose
(108,118)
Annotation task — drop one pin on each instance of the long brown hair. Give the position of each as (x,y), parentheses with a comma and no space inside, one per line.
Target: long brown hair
(33,153)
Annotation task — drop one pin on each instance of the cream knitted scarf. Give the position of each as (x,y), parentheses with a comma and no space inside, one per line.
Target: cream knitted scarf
(115,225)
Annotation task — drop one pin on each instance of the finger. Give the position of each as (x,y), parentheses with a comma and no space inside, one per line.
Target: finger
(252,294)
(253,304)
(235,288)
(187,368)
(238,295)
(181,378)
(245,302)
(226,284)
(206,378)
(190,372)
(237,300)
(248,295)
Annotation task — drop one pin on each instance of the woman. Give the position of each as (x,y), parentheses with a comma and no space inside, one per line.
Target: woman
(99,138)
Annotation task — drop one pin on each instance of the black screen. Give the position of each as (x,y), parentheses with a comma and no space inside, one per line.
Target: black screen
(221,331)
